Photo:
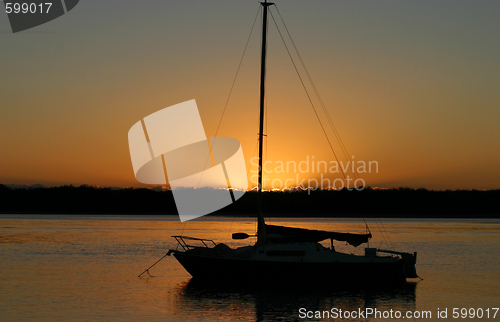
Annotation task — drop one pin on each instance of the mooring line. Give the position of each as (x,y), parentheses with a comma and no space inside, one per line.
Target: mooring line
(147,270)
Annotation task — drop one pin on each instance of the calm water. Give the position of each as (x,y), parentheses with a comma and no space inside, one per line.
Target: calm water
(84,268)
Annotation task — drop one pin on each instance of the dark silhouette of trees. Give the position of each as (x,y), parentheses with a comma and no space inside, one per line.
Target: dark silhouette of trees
(397,202)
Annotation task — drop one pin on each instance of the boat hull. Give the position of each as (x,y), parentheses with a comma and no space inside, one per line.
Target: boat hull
(250,271)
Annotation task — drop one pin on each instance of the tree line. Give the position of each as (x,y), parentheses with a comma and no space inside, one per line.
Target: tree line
(380,203)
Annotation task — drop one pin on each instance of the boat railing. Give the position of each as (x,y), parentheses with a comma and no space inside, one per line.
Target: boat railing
(402,254)
(184,240)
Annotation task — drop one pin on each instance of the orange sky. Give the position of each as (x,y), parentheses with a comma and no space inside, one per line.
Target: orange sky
(411,85)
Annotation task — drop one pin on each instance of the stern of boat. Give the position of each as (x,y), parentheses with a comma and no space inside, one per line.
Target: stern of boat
(409,261)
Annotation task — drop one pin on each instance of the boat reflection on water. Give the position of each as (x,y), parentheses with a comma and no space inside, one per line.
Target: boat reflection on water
(264,303)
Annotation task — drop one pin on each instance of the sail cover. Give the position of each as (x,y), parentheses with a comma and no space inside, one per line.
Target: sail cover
(291,234)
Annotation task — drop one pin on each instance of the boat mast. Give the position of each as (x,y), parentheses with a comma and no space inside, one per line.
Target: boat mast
(261,227)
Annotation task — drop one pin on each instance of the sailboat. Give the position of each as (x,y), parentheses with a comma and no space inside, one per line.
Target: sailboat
(288,254)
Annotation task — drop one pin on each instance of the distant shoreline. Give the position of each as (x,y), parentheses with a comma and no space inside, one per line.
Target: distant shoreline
(368,203)
(251,215)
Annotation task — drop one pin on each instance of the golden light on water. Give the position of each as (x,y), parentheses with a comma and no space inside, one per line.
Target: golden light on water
(87,267)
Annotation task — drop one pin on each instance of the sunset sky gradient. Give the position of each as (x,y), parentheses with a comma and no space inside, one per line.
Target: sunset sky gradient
(413,85)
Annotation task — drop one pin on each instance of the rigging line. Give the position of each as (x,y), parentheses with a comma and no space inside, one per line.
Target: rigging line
(229,96)
(229,231)
(248,172)
(237,71)
(310,100)
(230,92)
(387,234)
(381,232)
(308,96)
(182,233)
(332,125)
(384,233)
